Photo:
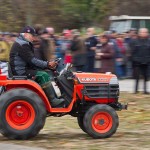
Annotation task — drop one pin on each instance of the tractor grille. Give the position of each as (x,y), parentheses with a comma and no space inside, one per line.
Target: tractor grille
(102,91)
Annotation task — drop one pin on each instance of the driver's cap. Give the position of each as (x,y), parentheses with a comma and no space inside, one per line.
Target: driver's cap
(28,29)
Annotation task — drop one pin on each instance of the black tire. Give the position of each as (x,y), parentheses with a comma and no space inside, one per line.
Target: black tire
(101,121)
(29,104)
(80,123)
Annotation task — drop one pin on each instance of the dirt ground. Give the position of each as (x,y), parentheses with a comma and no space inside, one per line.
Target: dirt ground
(63,133)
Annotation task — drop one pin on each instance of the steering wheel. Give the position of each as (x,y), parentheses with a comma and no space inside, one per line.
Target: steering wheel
(57,60)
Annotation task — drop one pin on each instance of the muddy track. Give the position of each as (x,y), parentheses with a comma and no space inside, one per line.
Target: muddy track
(63,133)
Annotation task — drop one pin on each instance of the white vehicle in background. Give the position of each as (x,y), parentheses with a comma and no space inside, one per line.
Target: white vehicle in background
(124,23)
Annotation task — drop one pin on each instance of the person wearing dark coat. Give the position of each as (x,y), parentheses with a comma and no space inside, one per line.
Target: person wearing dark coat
(140,49)
(78,52)
(43,51)
(91,43)
(106,55)
(24,63)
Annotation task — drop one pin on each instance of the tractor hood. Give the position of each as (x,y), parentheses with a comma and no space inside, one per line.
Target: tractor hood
(96,78)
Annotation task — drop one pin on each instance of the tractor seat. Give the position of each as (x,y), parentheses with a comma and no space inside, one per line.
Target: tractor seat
(12,77)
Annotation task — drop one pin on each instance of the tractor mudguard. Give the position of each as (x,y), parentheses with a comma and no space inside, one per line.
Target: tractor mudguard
(29,84)
(33,86)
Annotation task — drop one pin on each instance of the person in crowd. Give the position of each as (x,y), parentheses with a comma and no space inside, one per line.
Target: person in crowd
(106,55)
(112,35)
(113,40)
(129,37)
(90,43)
(120,57)
(23,62)
(1,36)
(5,46)
(13,37)
(78,51)
(59,52)
(66,46)
(52,41)
(141,57)
(42,48)
(37,41)
(51,32)
(59,40)
(62,45)
(97,63)
(38,28)
(44,45)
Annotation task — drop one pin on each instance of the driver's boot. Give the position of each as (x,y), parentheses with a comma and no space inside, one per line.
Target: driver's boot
(50,93)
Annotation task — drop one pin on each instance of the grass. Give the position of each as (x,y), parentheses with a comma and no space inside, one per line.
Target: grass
(63,133)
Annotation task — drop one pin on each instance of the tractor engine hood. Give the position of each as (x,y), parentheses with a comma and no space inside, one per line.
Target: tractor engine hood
(96,78)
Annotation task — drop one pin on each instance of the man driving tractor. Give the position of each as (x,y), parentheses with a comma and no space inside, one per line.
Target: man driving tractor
(24,63)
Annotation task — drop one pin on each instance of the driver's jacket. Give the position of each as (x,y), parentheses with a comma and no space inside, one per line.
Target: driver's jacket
(22,59)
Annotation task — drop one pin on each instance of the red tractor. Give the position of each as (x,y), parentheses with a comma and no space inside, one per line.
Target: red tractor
(91,97)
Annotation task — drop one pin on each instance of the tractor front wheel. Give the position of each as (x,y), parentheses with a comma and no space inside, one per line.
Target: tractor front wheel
(22,114)
(101,121)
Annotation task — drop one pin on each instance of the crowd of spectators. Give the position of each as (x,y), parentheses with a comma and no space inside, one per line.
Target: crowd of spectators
(106,52)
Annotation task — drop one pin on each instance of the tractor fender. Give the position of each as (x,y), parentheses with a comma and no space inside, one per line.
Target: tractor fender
(28,84)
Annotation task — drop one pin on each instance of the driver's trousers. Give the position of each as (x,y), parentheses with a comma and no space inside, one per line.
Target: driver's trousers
(42,77)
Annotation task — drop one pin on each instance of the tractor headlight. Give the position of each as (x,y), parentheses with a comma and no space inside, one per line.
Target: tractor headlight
(113,80)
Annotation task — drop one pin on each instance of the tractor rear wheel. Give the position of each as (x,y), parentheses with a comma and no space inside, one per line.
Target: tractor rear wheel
(22,114)
(101,121)
(80,123)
